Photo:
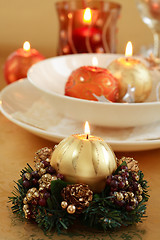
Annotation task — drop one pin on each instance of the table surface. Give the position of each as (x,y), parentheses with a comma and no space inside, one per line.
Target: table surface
(17,148)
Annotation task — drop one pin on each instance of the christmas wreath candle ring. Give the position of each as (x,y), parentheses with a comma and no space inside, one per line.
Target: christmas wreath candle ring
(83,158)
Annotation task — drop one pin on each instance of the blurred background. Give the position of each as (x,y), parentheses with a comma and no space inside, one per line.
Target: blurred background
(37,22)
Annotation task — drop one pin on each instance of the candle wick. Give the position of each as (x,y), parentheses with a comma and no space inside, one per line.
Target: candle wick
(87,137)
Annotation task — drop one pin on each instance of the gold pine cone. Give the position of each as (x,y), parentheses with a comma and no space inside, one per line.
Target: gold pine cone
(78,195)
(132,164)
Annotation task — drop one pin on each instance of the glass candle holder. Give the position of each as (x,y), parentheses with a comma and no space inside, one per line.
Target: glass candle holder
(87,26)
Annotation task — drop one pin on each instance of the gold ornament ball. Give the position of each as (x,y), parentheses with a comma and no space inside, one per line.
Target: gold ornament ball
(133,72)
(84,161)
(64,204)
(71,209)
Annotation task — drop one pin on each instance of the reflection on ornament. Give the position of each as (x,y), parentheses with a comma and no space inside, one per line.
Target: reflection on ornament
(129,96)
(101,98)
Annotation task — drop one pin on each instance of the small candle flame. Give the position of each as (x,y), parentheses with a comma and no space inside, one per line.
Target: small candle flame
(129,49)
(95,61)
(26,46)
(87,16)
(87,129)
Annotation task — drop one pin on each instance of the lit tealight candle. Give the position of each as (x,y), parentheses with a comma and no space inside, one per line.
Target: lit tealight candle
(131,73)
(83,158)
(18,63)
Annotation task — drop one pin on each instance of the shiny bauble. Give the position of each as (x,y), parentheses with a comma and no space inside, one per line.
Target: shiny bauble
(71,209)
(82,160)
(130,71)
(64,204)
(87,82)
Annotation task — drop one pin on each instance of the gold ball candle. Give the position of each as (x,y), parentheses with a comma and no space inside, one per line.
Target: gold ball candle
(131,72)
(83,158)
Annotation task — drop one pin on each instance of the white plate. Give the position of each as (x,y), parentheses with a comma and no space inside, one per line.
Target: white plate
(50,77)
(25,106)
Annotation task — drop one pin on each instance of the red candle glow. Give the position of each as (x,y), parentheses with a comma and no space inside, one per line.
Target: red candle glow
(18,63)
(86,38)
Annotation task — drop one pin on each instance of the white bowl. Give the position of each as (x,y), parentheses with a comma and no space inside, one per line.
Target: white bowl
(50,77)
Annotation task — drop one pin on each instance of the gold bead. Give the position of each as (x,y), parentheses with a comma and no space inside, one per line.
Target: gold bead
(29,196)
(42,171)
(41,165)
(25,200)
(25,207)
(32,190)
(131,194)
(81,199)
(43,185)
(36,194)
(37,166)
(54,178)
(126,195)
(64,204)
(119,196)
(140,198)
(71,209)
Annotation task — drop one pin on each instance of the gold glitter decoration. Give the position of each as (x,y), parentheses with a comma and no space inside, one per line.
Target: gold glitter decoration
(43,154)
(31,194)
(45,181)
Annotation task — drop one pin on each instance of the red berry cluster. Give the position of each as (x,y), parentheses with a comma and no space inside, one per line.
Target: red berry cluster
(125,188)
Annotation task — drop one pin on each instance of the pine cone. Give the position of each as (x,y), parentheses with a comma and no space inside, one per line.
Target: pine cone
(44,153)
(77,195)
(131,163)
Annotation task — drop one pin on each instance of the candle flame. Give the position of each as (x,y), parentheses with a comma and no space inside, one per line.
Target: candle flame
(87,16)
(26,46)
(95,61)
(87,128)
(129,49)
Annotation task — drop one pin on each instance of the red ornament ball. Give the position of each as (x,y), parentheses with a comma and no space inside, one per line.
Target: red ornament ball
(88,80)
